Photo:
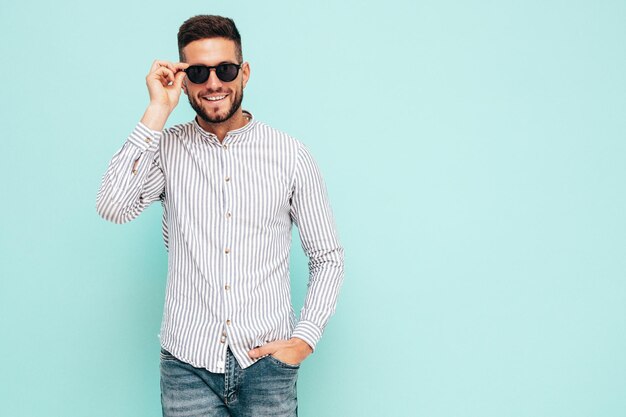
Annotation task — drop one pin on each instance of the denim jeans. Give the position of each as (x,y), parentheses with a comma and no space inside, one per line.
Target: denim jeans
(266,388)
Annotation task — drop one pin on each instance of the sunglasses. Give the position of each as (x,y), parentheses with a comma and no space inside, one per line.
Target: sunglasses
(198,74)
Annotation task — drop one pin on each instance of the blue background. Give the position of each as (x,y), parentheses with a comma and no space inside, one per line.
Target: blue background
(474,156)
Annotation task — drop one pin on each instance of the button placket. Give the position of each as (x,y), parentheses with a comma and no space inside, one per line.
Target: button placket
(227,233)
(135,166)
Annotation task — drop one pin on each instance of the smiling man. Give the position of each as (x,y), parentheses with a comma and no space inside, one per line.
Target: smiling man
(231,188)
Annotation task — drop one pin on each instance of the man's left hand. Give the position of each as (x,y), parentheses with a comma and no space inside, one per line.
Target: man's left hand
(292,351)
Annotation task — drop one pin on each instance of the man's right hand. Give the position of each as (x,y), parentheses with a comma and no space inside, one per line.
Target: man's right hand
(164,82)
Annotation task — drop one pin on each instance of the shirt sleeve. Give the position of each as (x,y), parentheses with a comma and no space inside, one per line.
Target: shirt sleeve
(311,212)
(133,179)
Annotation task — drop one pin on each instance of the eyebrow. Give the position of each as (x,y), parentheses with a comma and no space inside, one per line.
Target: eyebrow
(222,62)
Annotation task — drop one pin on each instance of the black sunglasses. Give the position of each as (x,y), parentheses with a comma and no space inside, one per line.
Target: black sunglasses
(198,74)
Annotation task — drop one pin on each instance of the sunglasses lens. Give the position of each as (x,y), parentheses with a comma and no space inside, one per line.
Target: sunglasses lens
(227,72)
(197,74)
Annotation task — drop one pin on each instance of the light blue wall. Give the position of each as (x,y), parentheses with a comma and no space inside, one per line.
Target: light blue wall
(474,154)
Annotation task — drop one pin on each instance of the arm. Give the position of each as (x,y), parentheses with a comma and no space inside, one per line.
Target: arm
(134,178)
(310,211)
(312,214)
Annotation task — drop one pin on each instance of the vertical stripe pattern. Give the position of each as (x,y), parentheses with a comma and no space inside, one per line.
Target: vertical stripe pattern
(228,209)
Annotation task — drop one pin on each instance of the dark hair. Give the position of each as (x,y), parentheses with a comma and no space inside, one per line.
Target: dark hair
(206,27)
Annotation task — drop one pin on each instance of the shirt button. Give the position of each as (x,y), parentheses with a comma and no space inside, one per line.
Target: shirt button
(227,287)
(228,322)
(227,179)
(225,146)
(148,140)
(228,214)
(226,250)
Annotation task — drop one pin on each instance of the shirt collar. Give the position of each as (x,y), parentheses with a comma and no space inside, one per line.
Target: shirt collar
(245,128)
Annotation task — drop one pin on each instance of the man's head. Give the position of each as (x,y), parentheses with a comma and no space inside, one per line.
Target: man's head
(211,41)
(207,27)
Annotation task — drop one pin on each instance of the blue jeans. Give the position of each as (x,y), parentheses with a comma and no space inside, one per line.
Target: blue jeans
(266,388)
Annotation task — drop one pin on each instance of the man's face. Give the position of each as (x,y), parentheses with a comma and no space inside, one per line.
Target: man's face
(215,101)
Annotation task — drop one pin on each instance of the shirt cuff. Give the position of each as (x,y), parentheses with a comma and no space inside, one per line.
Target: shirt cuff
(144,138)
(307,331)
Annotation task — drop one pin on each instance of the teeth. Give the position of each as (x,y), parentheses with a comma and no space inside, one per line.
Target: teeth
(214,98)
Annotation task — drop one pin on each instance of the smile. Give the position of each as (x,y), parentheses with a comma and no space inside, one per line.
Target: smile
(214,98)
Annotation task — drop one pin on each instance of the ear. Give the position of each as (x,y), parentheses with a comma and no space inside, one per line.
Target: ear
(245,69)
(185,86)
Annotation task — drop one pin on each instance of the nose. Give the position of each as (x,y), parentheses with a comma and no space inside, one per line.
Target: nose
(213,82)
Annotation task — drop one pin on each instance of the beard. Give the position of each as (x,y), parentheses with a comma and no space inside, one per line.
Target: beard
(197,106)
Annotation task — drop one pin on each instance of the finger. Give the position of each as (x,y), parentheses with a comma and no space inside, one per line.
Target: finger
(170,66)
(180,66)
(162,64)
(165,75)
(178,80)
(264,350)
(156,65)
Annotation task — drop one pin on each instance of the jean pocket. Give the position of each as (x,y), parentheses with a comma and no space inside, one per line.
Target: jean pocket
(282,364)
(166,356)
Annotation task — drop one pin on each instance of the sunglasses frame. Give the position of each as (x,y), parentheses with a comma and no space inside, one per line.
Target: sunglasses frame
(214,67)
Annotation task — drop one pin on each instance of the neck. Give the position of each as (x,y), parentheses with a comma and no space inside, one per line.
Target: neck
(236,121)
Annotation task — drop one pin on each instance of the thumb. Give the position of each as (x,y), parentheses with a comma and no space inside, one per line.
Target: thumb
(178,79)
(264,350)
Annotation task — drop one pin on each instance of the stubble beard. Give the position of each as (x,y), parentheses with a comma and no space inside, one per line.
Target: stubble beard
(216,119)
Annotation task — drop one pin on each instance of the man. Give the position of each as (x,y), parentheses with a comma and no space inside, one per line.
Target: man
(230,187)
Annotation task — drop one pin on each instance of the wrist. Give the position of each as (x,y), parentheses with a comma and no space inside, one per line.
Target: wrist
(155,116)
(301,345)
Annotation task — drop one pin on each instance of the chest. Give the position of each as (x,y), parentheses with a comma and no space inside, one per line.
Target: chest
(251,177)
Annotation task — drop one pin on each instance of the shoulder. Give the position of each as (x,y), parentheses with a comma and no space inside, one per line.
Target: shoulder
(178,131)
(300,149)
(271,134)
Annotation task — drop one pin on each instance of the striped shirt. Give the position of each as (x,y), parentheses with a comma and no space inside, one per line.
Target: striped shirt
(228,209)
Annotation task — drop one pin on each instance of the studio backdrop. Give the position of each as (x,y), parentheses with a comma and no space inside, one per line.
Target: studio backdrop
(473,152)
